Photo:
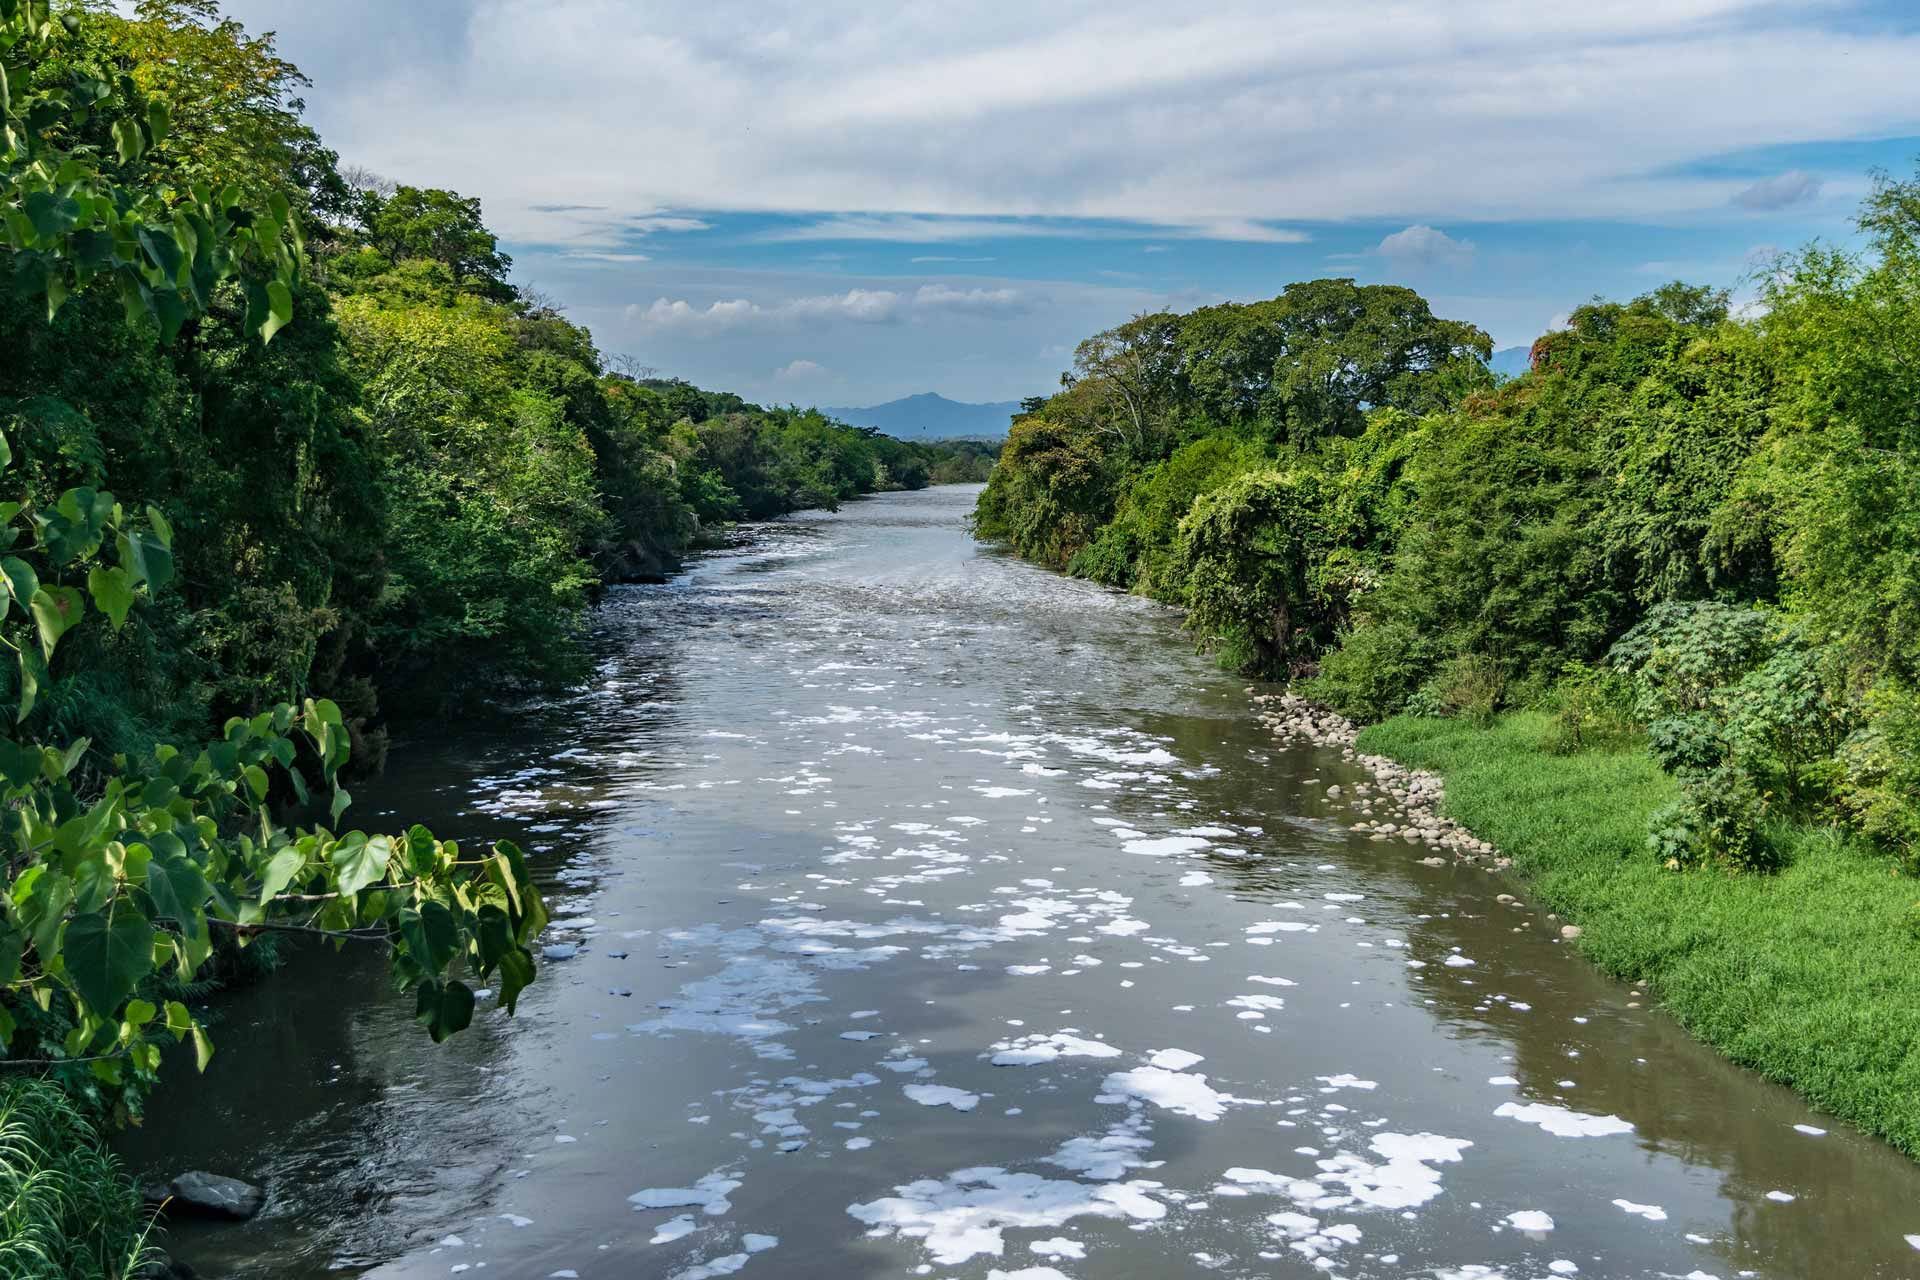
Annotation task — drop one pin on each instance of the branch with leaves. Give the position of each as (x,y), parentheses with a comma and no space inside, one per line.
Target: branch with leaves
(117,875)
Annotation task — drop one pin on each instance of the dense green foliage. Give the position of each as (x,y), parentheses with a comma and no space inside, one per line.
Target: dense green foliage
(122,867)
(1679,526)
(417,485)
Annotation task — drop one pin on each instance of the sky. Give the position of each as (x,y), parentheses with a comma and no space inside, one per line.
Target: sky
(843,202)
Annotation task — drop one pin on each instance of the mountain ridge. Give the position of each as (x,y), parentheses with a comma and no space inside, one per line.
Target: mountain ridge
(928,415)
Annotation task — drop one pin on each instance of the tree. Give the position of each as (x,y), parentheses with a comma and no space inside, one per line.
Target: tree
(1312,361)
(114,870)
(1134,369)
(445,227)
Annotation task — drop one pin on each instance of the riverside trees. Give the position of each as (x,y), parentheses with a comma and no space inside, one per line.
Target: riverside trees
(1337,490)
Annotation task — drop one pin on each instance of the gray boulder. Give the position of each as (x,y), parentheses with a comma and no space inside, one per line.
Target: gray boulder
(209,1195)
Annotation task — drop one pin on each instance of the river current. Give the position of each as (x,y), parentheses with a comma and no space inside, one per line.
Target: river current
(920,912)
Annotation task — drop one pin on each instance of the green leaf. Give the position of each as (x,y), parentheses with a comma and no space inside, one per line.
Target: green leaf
(279,310)
(128,141)
(441,934)
(22,581)
(55,611)
(161,529)
(112,591)
(516,975)
(159,120)
(106,954)
(6,1027)
(339,806)
(33,674)
(179,892)
(360,861)
(256,781)
(179,1021)
(139,1013)
(202,1048)
(281,869)
(444,1008)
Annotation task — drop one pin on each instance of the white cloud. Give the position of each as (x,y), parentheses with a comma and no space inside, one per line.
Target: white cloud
(949,299)
(796,369)
(1226,119)
(855,306)
(1782,191)
(1421,245)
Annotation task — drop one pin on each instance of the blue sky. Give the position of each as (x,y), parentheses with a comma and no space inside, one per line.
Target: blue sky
(847,202)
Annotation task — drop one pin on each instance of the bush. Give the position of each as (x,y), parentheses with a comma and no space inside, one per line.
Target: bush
(1246,554)
(1718,821)
(1591,709)
(66,1210)
(1378,665)
(1681,652)
(1471,686)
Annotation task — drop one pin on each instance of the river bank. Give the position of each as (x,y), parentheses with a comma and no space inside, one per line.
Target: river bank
(1806,976)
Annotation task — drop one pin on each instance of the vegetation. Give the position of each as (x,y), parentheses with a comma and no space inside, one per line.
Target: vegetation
(1651,606)
(1805,975)
(426,475)
(66,1212)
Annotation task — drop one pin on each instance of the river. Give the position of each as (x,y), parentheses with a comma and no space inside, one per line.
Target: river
(939,915)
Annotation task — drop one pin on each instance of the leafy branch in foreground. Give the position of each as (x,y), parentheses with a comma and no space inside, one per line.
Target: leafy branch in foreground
(118,873)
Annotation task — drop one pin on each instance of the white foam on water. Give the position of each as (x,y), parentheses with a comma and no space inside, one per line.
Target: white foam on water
(1174,1059)
(1032,1051)
(1058,1247)
(941,1095)
(673,1228)
(1651,1212)
(1165,846)
(1182,1093)
(1562,1123)
(1529,1220)
(1345,1081)
(963,1215)
(710,1193)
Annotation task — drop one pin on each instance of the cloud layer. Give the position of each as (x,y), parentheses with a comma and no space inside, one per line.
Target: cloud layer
(1234,122)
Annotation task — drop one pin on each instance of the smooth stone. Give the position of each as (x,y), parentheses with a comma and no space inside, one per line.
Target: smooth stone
(210,1195)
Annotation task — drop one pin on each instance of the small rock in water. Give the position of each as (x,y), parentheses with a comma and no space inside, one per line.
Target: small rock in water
(210,1195)
(1570,931)
(560,951)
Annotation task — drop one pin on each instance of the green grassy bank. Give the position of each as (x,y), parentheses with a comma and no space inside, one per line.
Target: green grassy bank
(1810,976)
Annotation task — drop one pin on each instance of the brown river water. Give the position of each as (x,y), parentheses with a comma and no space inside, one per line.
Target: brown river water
(931,914)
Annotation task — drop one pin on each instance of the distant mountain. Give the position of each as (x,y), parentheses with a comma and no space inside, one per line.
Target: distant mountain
(930,416)
(1511,362)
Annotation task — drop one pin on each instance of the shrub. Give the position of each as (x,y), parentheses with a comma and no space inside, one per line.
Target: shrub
(1378,666)
(1472,686)
(1681,652)
(1719,820)
(1246,554)
(1591,708)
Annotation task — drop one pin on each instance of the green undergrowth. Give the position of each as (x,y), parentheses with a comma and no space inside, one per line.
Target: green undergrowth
(1808,975)
(67,1211)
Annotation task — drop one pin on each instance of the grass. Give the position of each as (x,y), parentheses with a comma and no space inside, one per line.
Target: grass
(1810,976)
(67,1212)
